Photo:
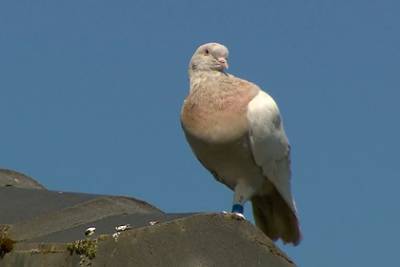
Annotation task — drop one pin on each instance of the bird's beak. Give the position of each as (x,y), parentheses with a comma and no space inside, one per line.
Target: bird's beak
(224,62)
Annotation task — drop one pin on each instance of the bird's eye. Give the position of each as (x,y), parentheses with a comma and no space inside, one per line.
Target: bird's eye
(206,51)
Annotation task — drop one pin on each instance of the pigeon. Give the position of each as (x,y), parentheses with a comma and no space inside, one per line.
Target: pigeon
(235,130)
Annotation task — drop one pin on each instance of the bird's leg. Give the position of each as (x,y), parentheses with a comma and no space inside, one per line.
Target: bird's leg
(243,192)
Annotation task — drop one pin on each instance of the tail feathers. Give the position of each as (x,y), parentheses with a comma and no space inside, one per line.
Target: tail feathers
(275,218)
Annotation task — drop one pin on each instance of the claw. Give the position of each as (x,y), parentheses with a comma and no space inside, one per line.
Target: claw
(238,216)
(234,215)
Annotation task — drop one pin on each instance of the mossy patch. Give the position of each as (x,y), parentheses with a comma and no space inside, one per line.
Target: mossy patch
(6,243)
(85,247)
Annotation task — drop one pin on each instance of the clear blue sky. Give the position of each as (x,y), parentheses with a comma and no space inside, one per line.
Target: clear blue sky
(90,95)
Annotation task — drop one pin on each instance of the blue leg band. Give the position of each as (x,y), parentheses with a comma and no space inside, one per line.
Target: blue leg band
(237,208)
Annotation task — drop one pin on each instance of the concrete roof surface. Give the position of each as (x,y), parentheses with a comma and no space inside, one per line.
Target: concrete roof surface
(39,227)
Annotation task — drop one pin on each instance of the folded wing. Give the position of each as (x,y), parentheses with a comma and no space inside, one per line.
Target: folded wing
(269,144)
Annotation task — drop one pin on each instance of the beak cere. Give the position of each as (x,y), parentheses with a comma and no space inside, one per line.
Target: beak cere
(224,62)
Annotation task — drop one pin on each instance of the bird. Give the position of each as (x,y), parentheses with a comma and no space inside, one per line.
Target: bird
(235,130)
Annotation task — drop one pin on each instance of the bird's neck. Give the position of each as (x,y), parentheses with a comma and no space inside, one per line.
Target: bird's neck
(203,77)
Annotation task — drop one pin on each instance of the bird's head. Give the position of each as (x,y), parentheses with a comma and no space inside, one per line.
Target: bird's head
(209,57)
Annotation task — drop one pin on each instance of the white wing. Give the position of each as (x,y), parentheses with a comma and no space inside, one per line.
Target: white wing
(269,143)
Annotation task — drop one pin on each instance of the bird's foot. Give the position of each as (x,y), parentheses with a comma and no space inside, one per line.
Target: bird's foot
(238,216)
(235,215)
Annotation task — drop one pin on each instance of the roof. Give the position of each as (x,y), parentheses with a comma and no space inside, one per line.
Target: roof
(48,230)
